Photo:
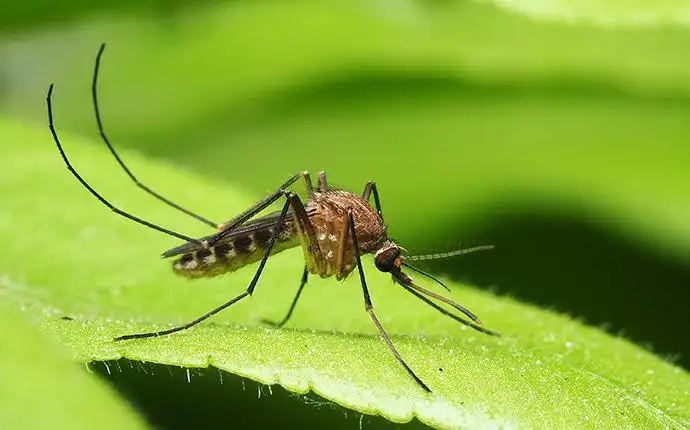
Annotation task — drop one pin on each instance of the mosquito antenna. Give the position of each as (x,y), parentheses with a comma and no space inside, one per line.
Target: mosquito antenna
(454,253)
(111,148)
(423,273)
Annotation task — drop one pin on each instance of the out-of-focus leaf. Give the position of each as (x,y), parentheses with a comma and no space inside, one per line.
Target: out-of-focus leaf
(427,99)
(41,388)
(103,271)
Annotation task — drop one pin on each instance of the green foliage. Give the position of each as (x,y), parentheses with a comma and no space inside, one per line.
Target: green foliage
(465,113)
(42,388)
(98,270)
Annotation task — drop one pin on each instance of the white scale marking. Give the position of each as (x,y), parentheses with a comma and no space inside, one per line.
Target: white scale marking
(252,244)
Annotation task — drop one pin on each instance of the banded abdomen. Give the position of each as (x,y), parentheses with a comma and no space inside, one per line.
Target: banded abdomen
(243,246)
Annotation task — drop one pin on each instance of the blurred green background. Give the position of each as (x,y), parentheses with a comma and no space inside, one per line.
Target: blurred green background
(558,133)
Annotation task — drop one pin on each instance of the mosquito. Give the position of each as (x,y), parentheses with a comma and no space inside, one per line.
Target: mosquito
(334,228)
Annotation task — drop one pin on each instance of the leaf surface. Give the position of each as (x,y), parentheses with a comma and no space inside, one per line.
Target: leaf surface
(104,272)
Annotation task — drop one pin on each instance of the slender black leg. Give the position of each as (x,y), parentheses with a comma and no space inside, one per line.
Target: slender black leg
(101,130)
(370,188)
(250,289)
(370,307)
(282,322)
(300,213)
(227,227)
(323,184)
(307,183)
(310,245)
(448,314)
(94,192)
(230,225)
(313,255)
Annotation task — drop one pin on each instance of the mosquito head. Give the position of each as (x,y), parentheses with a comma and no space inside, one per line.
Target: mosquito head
(388,258)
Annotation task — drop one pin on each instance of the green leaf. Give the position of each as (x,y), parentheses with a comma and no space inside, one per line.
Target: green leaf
(104,272)
(453,40)
(560,115)
(611,13)
(41,388)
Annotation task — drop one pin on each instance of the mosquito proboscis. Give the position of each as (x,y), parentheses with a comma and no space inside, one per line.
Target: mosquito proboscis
(333,227)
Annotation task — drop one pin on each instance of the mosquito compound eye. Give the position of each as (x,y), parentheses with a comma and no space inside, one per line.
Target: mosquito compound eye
(386,257)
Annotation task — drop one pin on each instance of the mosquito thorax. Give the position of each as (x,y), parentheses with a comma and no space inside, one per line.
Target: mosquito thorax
(387,258)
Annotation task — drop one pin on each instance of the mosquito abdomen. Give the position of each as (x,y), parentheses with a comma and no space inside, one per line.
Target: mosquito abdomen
(233,252)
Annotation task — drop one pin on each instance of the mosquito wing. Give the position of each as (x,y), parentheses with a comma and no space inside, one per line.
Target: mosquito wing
(256,230)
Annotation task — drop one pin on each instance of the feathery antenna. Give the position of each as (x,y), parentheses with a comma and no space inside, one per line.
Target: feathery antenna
(454,253)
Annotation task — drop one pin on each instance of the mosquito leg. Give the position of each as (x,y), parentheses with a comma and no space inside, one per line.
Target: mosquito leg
(323,184)
(310,244)
(370,188)
(282,322)
(104,137)
(250,289)
(307,182)
(341,252)
(370,307)
(94,192)
(229,226)
(312,252)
